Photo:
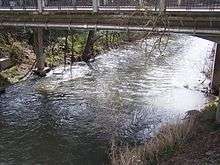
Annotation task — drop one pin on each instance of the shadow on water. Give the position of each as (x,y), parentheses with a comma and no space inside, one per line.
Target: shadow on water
(71,116)
(42,140)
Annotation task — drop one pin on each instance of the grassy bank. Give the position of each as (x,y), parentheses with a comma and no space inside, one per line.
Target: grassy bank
(61,47)
(170,140)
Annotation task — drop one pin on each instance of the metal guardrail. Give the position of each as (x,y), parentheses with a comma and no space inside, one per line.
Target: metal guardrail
(119,3)
(22,4)
(68,3)
(40,5)
(193,4)
(113,3)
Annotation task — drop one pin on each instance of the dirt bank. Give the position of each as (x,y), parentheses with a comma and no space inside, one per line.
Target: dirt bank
(203,148)
(193,140)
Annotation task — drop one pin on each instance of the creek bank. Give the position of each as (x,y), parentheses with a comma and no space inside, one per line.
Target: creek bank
(61,48)
(181,142)
(20,60)
(204,147)
(192,140)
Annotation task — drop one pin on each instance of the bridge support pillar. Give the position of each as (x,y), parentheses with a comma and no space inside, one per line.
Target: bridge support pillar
(216,71)
(39,51)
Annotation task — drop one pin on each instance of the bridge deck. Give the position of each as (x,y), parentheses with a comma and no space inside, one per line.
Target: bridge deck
(195,20)
(188,16)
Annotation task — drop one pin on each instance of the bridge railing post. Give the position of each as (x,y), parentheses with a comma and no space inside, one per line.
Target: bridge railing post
(162,5)
(44,3)
(95,4)
(141,3)
(105,2)
(40,5)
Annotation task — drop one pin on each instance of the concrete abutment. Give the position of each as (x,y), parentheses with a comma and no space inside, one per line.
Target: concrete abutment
(216,71)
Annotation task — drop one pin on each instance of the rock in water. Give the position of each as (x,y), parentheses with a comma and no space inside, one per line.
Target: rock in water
(3,84)
(2,90)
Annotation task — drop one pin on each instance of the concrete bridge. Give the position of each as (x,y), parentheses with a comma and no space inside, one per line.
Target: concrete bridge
(195,17)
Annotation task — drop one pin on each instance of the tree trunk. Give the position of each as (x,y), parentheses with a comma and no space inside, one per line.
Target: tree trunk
(72,48)
(39,51)
(88,50)
(66,48)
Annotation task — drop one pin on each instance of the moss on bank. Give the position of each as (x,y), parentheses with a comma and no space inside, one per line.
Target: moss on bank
(21,56)
(13,74)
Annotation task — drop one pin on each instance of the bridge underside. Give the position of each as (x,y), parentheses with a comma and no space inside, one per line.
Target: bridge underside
(202,24)
(196,23)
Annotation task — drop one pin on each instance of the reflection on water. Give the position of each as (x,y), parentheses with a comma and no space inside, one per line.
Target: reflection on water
(126,96)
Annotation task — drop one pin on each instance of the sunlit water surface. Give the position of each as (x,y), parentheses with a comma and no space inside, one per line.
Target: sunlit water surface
(126,96)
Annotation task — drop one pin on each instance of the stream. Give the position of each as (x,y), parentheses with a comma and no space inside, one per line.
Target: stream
(71,116)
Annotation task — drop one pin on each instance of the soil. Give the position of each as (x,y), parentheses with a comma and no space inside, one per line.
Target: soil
(204,149)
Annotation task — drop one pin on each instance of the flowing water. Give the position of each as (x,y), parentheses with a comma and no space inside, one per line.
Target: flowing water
(70,116)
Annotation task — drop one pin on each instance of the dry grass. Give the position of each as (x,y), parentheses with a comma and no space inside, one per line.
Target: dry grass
(162,145)
(171,138)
